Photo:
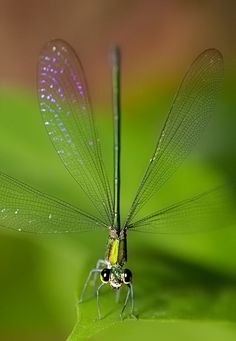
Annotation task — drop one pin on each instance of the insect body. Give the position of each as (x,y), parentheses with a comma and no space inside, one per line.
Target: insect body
(114,272)
(116,248)
(67,116)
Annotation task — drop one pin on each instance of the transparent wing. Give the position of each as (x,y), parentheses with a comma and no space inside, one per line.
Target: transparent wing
(206,211)
(188,116)
(67,115)
(23,208)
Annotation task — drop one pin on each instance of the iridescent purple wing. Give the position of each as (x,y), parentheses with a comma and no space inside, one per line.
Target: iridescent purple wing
(67,115)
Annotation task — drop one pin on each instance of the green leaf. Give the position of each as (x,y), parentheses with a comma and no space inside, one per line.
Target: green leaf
(168,331)
(175,278)
(167,288)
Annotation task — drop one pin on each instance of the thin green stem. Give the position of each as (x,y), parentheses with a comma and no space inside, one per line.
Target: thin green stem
(116,126)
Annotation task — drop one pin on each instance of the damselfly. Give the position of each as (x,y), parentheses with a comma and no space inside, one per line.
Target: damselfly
(67,115)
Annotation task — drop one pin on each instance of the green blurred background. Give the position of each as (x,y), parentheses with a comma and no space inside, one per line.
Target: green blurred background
(185,285)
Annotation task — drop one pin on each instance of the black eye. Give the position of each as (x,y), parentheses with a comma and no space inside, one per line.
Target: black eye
(105,274)
(127,276)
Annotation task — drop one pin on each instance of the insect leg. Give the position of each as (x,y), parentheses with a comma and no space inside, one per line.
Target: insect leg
(98,304)
(93,271)
(118,295)
(126,301)
(132,301)
(99,263)
(130,294)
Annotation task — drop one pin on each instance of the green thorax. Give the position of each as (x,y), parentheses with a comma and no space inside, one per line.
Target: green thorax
(116,253)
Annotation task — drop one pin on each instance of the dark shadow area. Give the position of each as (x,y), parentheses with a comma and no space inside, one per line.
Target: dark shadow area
(168,287)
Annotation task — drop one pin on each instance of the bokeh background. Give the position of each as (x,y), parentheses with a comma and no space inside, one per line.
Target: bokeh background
(192,278)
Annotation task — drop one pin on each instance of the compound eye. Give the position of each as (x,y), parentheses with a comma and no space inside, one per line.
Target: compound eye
(105,274)
(127,276)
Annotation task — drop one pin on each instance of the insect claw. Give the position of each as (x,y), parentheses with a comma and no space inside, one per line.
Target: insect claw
(134,317)
(121,316)
(131,315)
(99,316)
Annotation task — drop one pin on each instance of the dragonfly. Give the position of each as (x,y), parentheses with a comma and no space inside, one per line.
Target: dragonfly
(67,114)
